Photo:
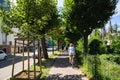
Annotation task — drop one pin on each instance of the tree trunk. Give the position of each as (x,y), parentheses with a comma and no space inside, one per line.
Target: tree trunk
(85,44)
(44,49)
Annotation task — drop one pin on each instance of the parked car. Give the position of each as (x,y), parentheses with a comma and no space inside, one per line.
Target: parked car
(3,55)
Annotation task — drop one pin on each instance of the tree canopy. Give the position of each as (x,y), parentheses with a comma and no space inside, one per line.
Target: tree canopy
(34,18)
(88,15)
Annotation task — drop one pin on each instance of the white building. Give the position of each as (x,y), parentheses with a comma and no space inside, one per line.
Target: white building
(6,41)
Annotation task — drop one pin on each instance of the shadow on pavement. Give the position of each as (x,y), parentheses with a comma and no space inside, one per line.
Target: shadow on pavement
(67,77)
(63,61)
(63,54)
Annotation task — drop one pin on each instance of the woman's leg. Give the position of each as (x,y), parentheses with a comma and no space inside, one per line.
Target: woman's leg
(70,59)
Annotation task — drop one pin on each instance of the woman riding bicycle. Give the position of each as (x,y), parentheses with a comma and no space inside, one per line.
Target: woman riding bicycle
(71,51)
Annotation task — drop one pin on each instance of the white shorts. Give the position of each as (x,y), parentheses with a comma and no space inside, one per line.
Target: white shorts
(71,53)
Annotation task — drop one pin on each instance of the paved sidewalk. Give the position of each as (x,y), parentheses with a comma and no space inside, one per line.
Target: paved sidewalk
(62,70)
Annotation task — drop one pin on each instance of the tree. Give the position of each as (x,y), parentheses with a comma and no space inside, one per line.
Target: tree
(88,15)
(51,19)
(110,28)
(34,18)
(115,27)
(72,34)
(103,33)
(57,34)
(116,44)
(5,5)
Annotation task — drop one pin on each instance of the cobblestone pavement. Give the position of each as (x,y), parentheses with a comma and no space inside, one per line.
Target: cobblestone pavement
(62,70)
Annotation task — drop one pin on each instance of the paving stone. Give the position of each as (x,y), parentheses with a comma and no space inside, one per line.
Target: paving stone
(62,70)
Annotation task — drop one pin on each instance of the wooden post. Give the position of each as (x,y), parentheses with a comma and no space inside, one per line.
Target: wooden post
(23,55)
(34,60)
(39,54)
(14,59)
(28,61)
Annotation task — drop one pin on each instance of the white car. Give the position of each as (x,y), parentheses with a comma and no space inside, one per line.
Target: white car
(3,55)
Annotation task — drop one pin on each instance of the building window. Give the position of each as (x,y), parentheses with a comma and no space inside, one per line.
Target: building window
(10,42)
(4,38)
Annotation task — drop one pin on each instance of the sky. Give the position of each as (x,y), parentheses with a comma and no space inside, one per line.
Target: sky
(115,19)
(60,3)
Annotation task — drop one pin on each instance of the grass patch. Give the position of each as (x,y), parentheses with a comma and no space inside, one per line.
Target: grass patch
(45,71)
(46,65)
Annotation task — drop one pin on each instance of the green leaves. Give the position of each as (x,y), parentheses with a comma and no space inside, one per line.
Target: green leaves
(91,13)
(33,17)
(116,43)
(6,29)
(88,15)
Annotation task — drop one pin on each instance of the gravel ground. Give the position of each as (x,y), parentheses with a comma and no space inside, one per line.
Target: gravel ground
(62,70)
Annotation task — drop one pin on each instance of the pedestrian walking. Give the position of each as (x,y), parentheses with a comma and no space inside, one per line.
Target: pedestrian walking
(62,48)
(71,51)
(66,49)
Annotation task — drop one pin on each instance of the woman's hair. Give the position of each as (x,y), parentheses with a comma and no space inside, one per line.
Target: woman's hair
(71,44)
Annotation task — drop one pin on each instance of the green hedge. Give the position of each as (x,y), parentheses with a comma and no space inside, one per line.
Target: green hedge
(110,69)
(101,67)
